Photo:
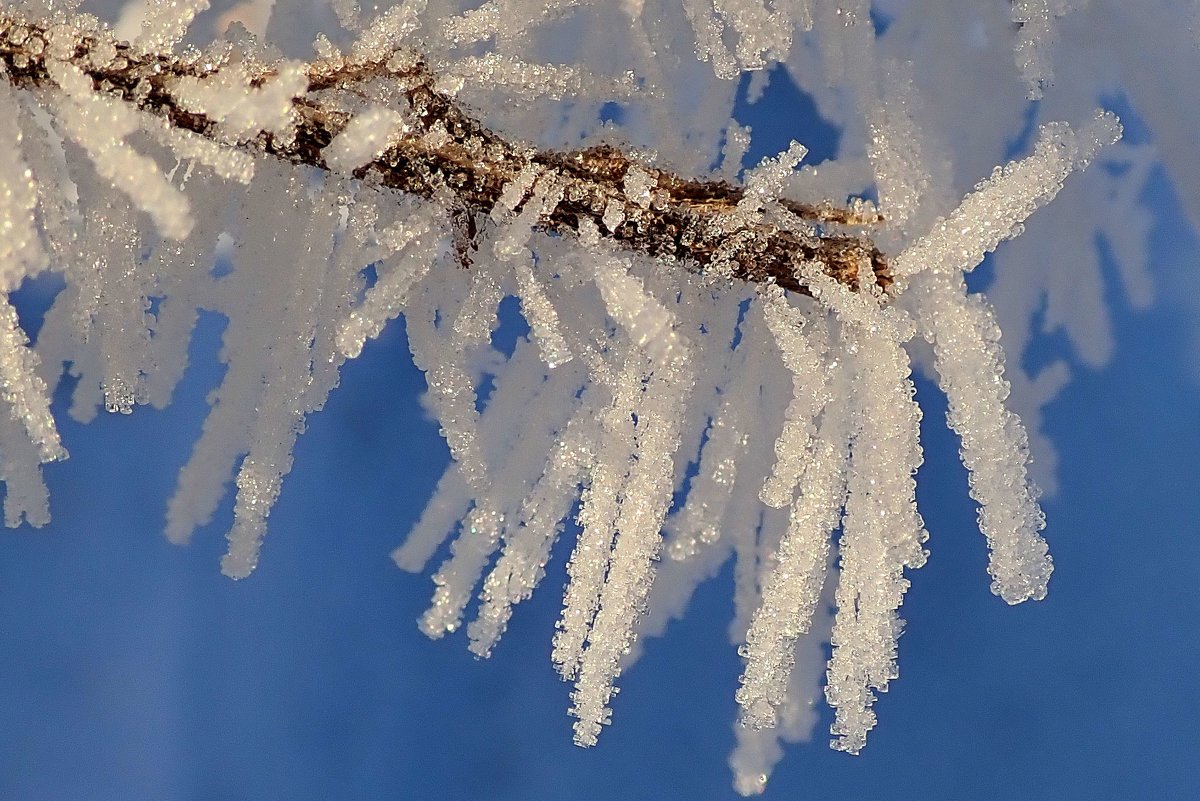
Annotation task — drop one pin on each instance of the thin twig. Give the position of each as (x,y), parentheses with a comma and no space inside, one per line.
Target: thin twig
(447,152)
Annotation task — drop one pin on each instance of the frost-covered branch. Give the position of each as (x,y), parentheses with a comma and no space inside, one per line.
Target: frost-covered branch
(669,386)
(436,149)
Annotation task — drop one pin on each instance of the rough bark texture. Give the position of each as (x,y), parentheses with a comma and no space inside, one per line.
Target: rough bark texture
(450,154)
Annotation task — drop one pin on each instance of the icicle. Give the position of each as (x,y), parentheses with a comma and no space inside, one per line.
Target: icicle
(542,317)
(106,299)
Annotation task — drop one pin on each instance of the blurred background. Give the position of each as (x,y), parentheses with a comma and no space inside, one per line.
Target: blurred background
(131,669)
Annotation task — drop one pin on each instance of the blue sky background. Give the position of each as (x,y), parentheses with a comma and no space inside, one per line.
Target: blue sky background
(131,669)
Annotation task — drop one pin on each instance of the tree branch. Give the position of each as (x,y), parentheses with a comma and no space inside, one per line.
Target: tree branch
(446,152)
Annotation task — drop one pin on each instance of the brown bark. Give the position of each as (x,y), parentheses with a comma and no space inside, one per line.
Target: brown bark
(686,220)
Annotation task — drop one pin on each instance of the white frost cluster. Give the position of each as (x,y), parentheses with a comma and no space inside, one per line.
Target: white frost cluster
(690,419)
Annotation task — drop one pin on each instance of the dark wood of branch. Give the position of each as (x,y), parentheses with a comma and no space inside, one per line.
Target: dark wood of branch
(694,222)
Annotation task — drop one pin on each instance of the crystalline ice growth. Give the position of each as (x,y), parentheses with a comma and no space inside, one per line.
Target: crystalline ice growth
(241,109)
(995,449)
(881,534)
(286,369)
(517,429)
(166,23)
(525,80)
(100,126)
(539,522)
(417,241)
(388,31)
(363,139)
(1035,36)
(24,392)
(659,387)
(510,247)
(444,357)
(761,34)
(597,518)
(802,353)
(20,249)
(791,589)
(765,182)
(265,306)
(25,494)
(505,19)
(995,210)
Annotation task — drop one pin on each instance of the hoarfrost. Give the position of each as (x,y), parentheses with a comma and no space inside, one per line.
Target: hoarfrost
(363,139)
(1000,203)
(774,418)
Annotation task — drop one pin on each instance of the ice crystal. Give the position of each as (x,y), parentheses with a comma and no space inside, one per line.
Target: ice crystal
(715,368)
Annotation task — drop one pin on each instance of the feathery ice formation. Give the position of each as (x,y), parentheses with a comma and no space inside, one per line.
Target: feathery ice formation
(686,335)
